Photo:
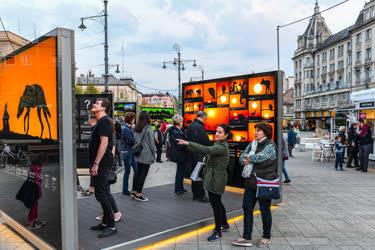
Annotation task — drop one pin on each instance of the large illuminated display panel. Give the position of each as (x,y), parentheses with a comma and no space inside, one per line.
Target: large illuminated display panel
(159,114)
(32,109)
(241,102)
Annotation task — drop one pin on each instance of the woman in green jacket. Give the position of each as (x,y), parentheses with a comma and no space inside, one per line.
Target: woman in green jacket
(215,175)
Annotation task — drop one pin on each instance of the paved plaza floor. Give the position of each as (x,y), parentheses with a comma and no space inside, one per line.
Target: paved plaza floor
(321,209)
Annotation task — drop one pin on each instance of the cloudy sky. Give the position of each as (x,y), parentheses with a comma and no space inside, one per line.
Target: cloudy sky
(225,37)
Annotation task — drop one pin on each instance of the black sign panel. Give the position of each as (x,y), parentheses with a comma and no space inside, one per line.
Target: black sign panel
(83,129)
(367,104)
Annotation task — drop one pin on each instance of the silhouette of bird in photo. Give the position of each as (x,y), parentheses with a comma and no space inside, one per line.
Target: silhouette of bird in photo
(223,88)
(212,92)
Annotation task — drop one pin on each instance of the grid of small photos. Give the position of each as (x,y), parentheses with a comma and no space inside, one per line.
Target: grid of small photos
(239,102)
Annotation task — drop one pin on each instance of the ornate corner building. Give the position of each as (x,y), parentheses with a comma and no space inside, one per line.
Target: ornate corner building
(329,67)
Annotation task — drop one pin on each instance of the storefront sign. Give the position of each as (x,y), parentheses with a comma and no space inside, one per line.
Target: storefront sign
(364,95)
(367,104)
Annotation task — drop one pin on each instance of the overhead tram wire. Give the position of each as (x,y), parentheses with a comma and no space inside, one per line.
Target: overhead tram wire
(297,21)
(308,17)
(155,89)
(6,33)
(90,46)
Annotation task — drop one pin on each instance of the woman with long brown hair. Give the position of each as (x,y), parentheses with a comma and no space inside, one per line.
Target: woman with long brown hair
(144,153)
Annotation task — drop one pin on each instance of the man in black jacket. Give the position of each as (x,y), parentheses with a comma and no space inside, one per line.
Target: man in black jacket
(196,133)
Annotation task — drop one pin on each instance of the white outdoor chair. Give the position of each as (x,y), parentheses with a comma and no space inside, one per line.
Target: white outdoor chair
(328,151)
(317,153)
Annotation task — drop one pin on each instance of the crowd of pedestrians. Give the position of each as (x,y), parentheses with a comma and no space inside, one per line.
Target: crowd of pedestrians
(136,145)
(358,144)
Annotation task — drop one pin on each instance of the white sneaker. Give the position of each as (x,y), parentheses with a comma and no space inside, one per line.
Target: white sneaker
(117,216)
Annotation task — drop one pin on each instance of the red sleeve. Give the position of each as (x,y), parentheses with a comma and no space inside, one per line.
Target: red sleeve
(364,130)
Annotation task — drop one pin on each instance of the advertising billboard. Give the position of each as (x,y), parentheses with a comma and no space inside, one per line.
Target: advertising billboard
(159,114)
(28,105)
(121,108)
(240,101)
(34,145)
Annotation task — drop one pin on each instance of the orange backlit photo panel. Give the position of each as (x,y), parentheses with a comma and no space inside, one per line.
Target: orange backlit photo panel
(193,91)
(268,109)
(198,106)
(264,85)
(189,107)
(239,86)
(237,101)
(239,136)
(251,130)
(215,117)
(210,93)
(28,86)
(223,93)
(189,118)
(239,114)
(254,108)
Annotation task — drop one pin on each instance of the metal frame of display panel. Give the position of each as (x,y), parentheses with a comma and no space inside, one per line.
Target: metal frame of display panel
(237,147)
(65,108)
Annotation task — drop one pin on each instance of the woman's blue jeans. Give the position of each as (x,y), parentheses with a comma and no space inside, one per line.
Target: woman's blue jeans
(129,162)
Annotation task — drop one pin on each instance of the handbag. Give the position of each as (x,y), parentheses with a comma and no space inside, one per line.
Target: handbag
(112,177)
(268,189)
(197,169)
(138,148)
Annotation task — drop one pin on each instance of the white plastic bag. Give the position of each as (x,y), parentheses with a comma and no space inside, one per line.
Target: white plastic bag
(197,169)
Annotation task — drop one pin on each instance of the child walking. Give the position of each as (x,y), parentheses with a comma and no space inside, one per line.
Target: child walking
(339,150)
(35,174)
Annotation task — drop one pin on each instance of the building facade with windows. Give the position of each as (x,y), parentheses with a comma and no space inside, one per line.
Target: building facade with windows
(123,89)
(329,67)
(9,42)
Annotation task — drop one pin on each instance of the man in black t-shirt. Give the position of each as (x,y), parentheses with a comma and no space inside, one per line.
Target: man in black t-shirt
(101,160)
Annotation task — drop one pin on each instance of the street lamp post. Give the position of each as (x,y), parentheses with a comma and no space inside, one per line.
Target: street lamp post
(200,67)
(180,64)
(82,27)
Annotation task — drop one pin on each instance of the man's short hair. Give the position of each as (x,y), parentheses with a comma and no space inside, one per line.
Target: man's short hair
(105,104)
(201,114)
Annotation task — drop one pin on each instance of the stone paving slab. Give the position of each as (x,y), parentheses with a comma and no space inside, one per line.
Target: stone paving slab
(321,209)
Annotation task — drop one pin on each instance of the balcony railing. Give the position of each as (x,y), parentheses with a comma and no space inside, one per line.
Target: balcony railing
(308,65)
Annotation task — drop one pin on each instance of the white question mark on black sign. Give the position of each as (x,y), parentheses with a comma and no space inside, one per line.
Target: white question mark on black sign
(87,102)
